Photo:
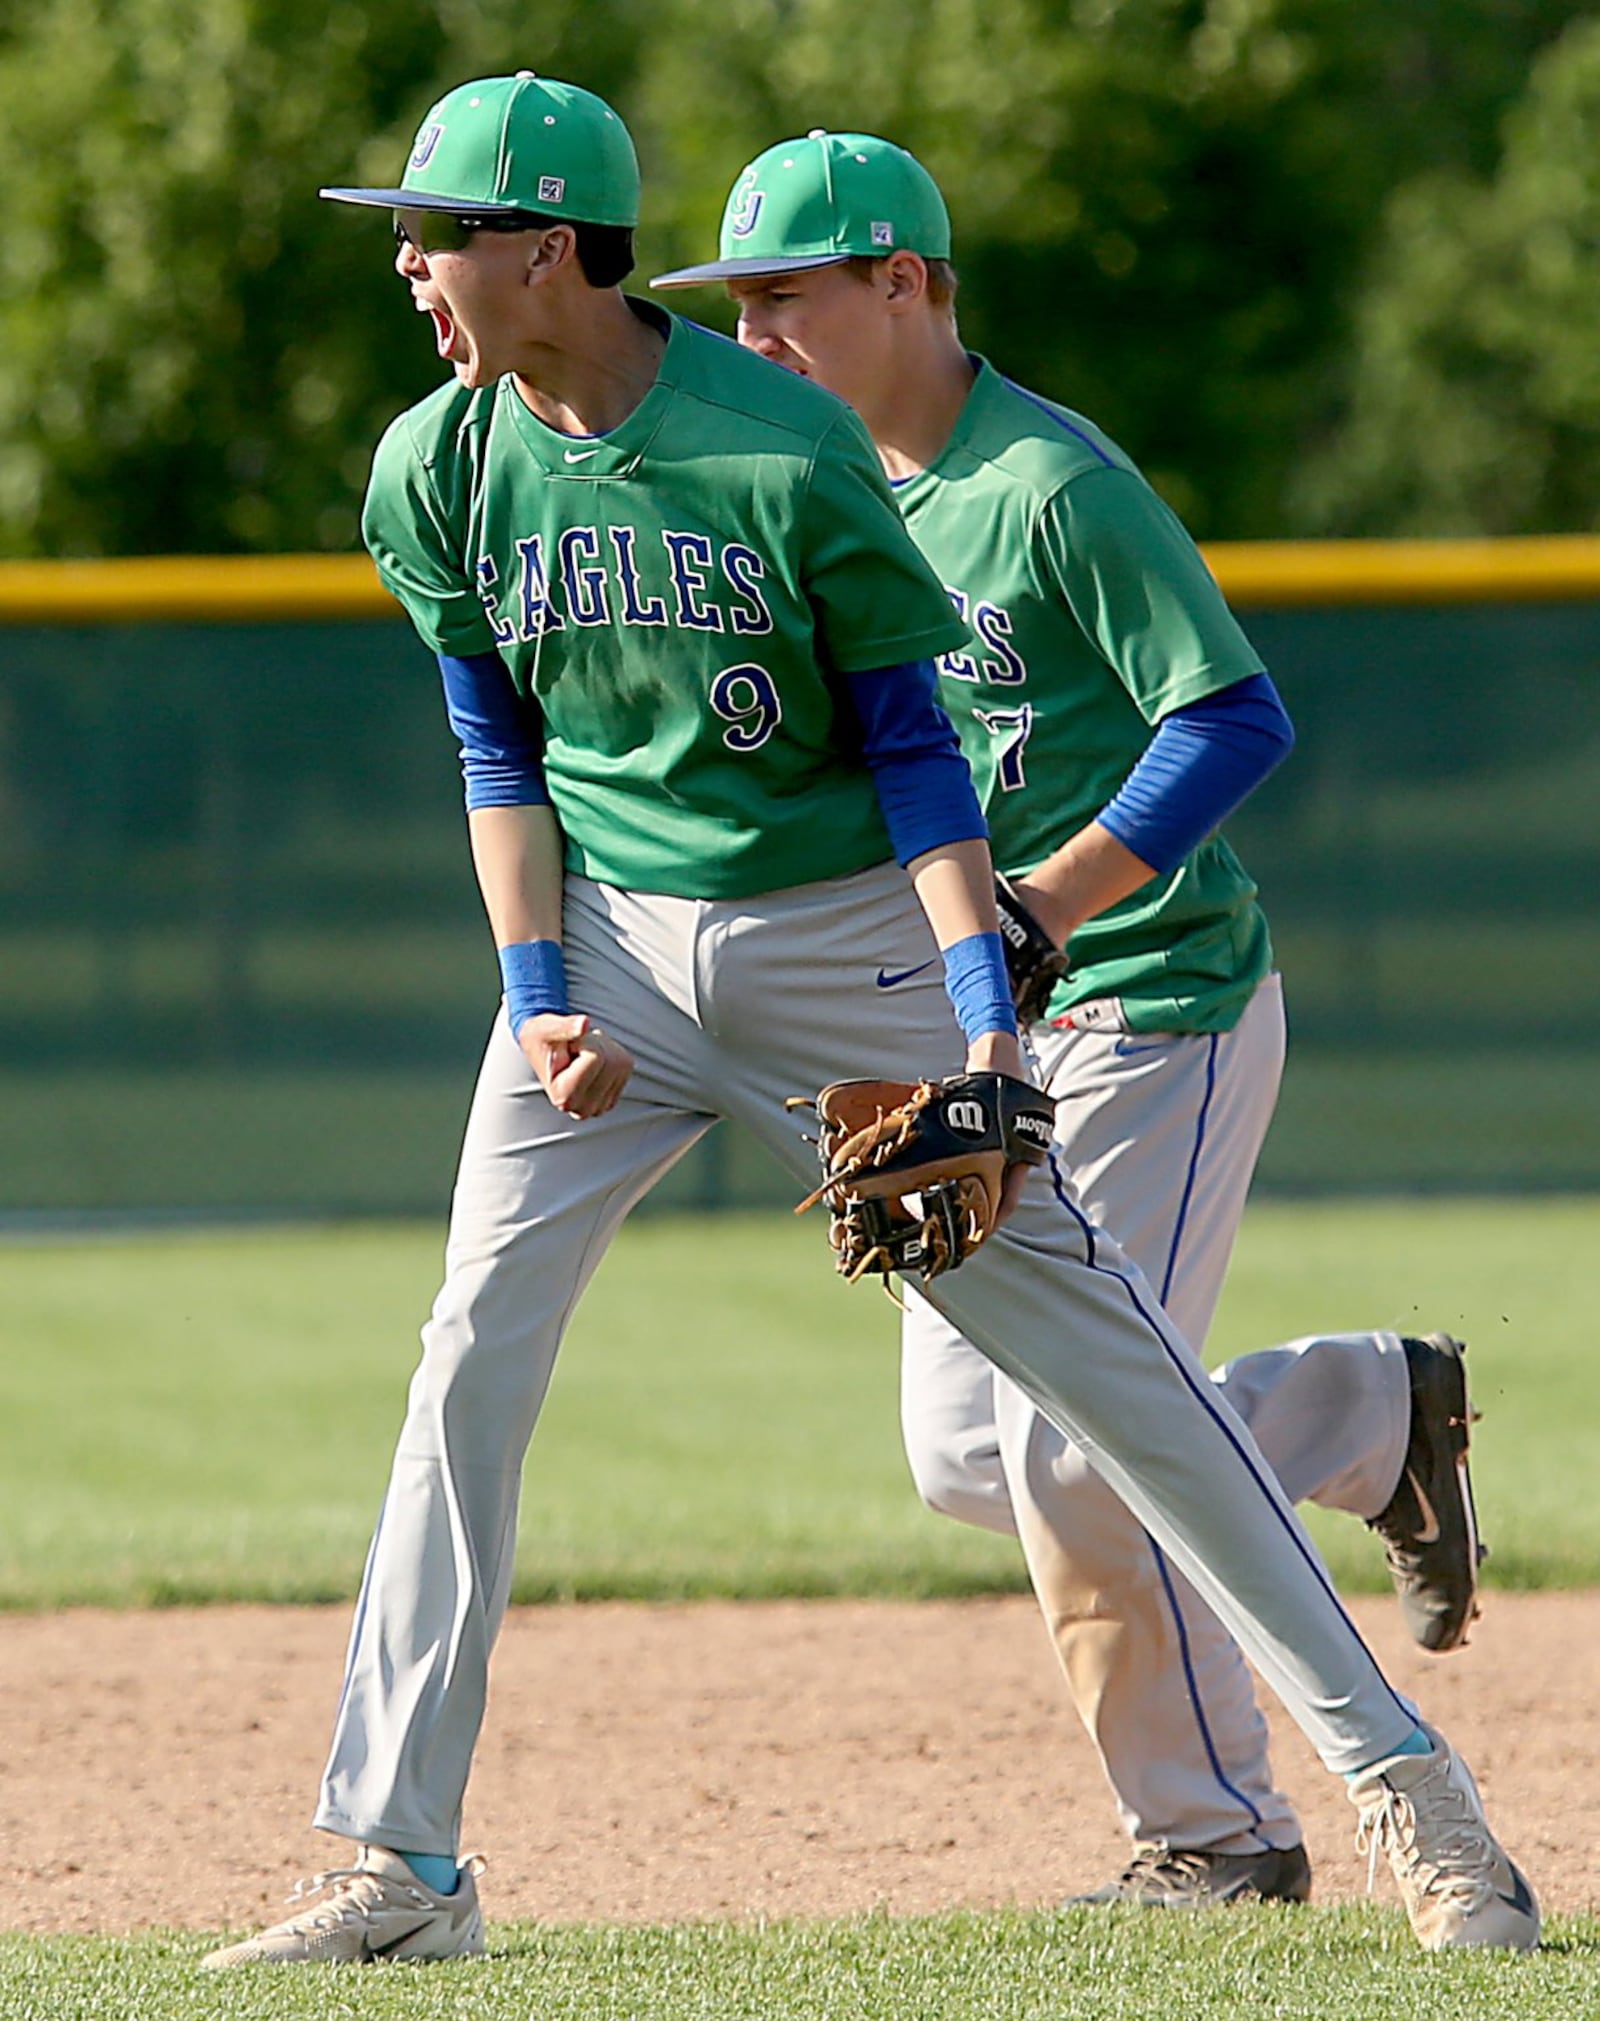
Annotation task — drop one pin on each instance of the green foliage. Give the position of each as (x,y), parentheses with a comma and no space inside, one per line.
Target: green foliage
(1347,1964)
(1476,402)
(199,354)
(1162,209)
(202,1417)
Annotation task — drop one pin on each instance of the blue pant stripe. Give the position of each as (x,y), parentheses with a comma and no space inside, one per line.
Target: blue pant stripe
(1163,1566)
(1192,1685)
(1208,1404)
(1196,1153)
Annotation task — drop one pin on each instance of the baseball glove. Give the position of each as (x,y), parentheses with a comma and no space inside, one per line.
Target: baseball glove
(1034,963)
(913,1171)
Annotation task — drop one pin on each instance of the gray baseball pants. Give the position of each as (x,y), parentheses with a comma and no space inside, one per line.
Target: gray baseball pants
(1161,1133)
(729,1007)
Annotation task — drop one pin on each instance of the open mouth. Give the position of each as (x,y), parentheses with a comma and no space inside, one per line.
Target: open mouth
(444,327)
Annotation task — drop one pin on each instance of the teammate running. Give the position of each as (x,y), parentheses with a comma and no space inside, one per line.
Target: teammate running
(677,608)
(1095,618)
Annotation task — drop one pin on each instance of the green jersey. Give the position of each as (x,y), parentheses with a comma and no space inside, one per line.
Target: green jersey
(1093,616)
(680,598)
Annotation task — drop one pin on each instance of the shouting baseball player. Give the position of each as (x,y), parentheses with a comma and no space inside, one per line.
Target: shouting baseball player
(1094,617)
(687,647)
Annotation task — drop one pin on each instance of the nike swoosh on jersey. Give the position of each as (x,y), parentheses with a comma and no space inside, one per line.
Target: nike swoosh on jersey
(888,981)
(578,455)
(1429,1533)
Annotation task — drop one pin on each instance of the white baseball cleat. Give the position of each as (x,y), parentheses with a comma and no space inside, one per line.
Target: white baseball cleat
(374,1913)
(1459,1885)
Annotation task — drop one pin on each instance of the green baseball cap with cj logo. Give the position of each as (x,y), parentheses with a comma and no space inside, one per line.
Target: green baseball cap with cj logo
(523,143)
(819,201)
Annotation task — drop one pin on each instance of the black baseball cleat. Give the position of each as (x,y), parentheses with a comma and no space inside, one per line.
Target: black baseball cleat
(1160,1877)
(1430,1528)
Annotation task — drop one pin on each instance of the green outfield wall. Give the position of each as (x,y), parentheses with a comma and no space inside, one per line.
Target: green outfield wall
(243,968)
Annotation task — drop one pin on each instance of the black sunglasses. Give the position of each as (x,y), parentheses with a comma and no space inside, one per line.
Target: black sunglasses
(447,232)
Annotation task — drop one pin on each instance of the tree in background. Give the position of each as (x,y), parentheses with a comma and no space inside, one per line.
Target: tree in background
(1162,208)
(198,354)
(1475,375)
(1162,211)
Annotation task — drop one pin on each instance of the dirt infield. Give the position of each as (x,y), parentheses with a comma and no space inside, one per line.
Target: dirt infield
(647,1764)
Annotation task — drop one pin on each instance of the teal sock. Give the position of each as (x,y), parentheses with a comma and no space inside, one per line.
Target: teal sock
(435,1870)
(1417,1742)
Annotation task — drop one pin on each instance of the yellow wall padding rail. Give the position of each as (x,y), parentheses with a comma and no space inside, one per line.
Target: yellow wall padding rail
(1290,574)
(1257,575)
(194,589)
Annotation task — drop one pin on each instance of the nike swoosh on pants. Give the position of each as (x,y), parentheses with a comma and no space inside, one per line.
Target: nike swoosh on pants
(888,981)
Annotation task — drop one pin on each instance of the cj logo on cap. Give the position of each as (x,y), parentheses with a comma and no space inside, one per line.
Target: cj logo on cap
(882,234)
(744,206)
(427,140)
(552,188)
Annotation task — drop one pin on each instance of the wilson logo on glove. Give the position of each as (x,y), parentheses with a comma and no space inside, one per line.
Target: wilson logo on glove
(913,1171)
(1035,1129)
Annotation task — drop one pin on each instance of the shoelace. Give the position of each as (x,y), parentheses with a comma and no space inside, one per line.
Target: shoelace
(343,1879)
(1158,1863)
(1458,1871)
(474,1864)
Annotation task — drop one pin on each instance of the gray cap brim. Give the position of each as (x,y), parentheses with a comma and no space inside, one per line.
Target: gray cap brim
(419,200)
(746,270)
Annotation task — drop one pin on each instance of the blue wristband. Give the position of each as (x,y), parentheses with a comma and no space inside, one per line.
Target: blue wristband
(977,983)
(535,978)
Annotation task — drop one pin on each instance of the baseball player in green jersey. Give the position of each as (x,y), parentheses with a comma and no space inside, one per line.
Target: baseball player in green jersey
(730,852)
(1094,619)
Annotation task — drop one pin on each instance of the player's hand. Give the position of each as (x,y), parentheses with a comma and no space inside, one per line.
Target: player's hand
(1001,1053)
(1047,908)
(581,1068)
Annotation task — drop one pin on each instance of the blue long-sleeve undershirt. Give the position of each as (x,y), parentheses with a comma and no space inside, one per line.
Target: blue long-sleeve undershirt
(911,749)
(908,743)
(928,800)
(502,741)
(1203,761)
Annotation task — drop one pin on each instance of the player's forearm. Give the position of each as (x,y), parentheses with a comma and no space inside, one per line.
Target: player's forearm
(1084,877)
(954,884)
(1204,759)
(516,852)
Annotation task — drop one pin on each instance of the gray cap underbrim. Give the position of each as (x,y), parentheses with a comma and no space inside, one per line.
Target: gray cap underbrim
(420,200)
(746,270)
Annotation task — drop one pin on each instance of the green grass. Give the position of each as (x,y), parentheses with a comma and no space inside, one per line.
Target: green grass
(291,1142)
(204,1417)
(210,1416)
(296,1139)
(1342,1964)
(1514,1278)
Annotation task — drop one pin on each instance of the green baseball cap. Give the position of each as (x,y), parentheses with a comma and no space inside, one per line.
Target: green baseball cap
(817,201)
(523,143)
